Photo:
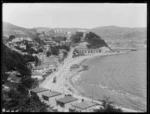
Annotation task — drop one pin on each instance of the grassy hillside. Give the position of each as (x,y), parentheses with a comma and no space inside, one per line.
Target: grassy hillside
(122,36)
(113,35)
(9,29)
(114,32)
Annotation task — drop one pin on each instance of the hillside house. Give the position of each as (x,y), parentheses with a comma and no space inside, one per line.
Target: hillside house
(31,64)
(84,34)
(38,69)
(12,76)
(63,104)
(14,79)
(68,35)
(38,91)
(9,85)
(37,75)
(83,49)
(85,106)
(51,96)
(23,46)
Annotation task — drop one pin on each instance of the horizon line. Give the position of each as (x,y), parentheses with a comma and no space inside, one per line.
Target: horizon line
(72,27)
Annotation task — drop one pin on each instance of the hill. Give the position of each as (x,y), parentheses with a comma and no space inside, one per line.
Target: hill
(118,35)
(9,62)
(10,29)
(113,35)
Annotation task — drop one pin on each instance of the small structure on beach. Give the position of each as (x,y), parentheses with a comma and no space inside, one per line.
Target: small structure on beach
(38,91)
(85,106)
(65,103)
(51,96)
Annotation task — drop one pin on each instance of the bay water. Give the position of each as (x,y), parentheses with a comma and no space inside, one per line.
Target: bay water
(121,77)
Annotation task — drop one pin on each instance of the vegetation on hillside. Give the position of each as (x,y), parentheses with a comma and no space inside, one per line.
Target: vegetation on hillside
(18,97)
(76,38)
(21,100)
(94,40)
(107,106)
(11,60)
(55,50)
(59,38)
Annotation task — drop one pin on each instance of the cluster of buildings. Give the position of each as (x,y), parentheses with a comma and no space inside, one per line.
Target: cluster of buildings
(62,102)
(82,49)
(49,64)
(19,42)
(59,32)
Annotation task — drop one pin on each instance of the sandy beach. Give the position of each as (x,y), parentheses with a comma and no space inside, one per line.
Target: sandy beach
(66,78)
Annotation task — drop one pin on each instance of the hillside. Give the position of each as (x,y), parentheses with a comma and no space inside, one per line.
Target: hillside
(9,62)
(46,29)
(114,35)
(9,29)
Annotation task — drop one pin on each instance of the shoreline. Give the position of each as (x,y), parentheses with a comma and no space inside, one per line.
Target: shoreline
(73,78)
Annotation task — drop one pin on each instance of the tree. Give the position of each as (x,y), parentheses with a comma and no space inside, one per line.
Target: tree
(76,38)
(11,37)
(108,106)
(94,40)
(28,82)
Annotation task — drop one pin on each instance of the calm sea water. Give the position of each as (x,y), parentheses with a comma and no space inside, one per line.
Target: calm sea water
(120,77)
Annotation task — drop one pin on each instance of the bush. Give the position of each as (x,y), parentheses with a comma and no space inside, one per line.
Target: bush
(107,106)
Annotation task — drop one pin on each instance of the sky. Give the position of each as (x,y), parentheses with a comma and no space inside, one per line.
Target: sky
(75,15)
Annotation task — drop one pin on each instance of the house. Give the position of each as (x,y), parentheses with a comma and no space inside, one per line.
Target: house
(37,75)
(63,104)
(38,91)
(51,97)
(31,64)
(13,78)
(9,85)
(23,46)
(38,69)
(85,106)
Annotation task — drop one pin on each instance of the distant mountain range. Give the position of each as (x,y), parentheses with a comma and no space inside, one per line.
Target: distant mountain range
(111,34)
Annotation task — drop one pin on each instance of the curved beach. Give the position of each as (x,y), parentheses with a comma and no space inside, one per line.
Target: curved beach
(65,77)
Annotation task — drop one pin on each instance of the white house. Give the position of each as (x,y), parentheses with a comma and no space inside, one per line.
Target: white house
(63,104)
(85,106)
(38,91)
(51,96)
(37,75)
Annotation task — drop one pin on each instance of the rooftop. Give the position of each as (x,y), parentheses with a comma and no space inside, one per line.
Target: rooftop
(38,67)
(67,99)
(51,93)
(38,90)
(84,105)
(14,78)
(37,73)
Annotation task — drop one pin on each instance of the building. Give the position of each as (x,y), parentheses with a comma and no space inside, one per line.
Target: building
(84,34)
(22,46)
(51,97)
(63,104)
(83,49)
(85,106)
(38,69)
(9,85)
(37,75)
(38,91)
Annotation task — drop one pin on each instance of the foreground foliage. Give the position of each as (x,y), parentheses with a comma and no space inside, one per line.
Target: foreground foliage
(108,106)
(23,103)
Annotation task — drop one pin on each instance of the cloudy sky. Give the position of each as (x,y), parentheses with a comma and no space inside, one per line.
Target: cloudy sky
(85,15)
